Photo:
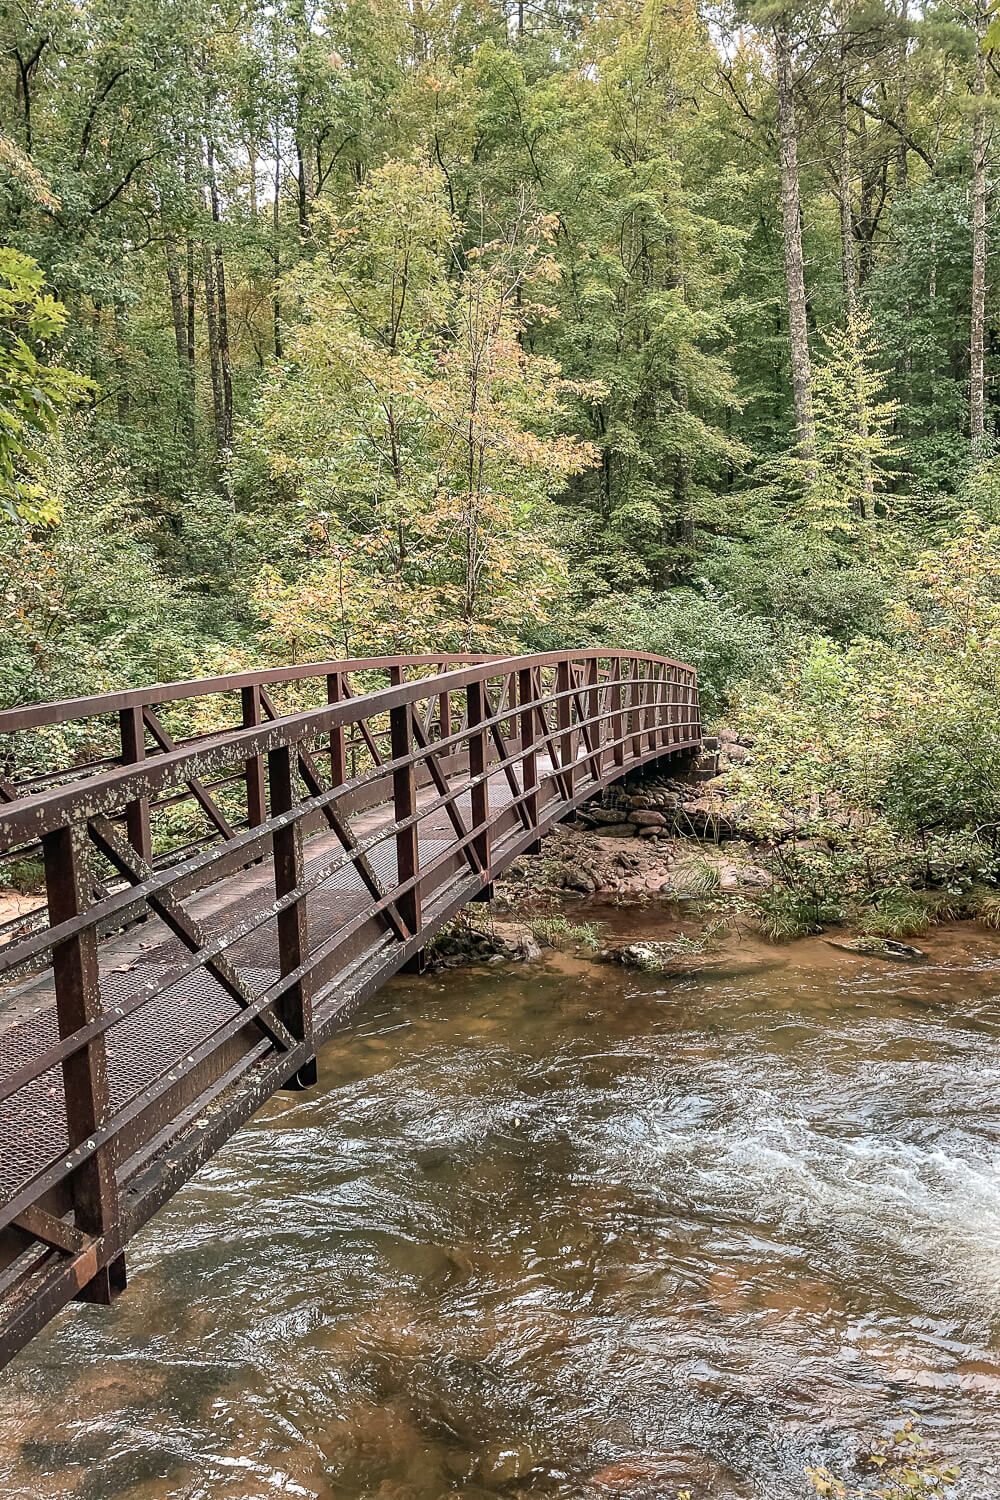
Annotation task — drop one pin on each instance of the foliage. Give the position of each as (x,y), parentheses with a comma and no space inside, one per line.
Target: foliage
(559,932)
(898,1466)
(724,642)
(34,391)
(883,753)
(86,601)
(415,433)
(443,326)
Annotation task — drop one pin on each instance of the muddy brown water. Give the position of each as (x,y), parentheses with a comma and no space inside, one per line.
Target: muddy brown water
(561,1230)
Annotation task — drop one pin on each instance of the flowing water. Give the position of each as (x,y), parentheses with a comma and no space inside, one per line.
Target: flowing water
(562,1230)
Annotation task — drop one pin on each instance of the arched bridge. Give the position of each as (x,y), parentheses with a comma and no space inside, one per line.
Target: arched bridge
(218,898)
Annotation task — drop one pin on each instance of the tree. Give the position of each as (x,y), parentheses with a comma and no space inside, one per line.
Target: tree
(412,429)
(35,391)
(791,223)
(980,147)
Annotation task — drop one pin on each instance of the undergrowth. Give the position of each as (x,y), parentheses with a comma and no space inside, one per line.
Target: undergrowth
(559,932)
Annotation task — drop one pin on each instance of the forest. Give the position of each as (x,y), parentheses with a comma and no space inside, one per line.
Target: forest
(406,325)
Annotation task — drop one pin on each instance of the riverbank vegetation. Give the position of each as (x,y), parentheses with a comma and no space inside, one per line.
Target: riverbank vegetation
(385,327)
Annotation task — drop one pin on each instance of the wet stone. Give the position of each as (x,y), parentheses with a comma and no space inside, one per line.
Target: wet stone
(504,1463)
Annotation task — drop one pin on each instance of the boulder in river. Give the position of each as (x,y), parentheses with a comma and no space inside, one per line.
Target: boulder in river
(878,947)
(648,958)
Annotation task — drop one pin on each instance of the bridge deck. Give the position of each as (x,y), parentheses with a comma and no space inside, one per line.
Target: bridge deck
(183,1015)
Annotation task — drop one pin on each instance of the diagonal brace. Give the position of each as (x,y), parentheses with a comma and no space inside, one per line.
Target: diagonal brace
(187,928)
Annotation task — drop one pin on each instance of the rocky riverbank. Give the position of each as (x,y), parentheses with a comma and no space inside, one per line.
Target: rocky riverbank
(670,840)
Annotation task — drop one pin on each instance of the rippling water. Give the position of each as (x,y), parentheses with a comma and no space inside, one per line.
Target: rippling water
(567,1231)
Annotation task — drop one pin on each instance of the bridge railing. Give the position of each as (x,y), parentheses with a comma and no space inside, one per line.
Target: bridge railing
(369,822)
(43,745)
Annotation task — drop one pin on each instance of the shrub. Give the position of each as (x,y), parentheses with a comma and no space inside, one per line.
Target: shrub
(884,751)
(725,644)
(559,932)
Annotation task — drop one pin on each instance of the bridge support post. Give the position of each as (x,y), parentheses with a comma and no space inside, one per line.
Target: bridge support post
(670,713)
(529,755)
(338,753)
(404,805)
(564,719)
(595,729)
(295,1006)
(635,710)
(480,791)
(85,1075)
(617,717)
(132,727)
(252,716)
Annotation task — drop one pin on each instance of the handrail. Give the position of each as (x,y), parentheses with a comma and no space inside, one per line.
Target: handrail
(39,813)
(66,710)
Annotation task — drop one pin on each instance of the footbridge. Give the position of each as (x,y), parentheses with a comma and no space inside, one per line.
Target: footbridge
(225,870)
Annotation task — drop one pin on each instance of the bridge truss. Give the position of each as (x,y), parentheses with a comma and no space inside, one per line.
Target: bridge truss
(220,898)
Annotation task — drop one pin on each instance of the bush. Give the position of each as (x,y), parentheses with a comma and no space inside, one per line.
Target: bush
(803,587)
(726,645)
(886,750)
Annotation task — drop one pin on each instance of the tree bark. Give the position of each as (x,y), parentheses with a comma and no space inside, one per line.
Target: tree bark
(185,369)
(903,107)
(848,260)
(791,224)
(977,362)
(849,269)
(276,247)
(191,305)
(222,311)
(212,325)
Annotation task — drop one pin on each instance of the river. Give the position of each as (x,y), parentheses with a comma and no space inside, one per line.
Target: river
(563,1230)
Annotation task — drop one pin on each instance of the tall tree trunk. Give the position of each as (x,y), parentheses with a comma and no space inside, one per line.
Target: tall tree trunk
(185,372)
(903,105)
(303,159)
(212,325)
(225,358)
(791,224)
(302,184)
(849,270)
(977,363)
(276,248)
(222,309)
(848,260)
(192,278)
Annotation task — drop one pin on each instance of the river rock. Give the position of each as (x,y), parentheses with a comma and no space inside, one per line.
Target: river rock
(644,818)
(505,1462)
(648,958)
(528,947)
(876,947)
(604,815)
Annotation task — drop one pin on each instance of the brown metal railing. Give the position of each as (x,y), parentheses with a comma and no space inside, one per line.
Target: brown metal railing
(43,745)
(172,989)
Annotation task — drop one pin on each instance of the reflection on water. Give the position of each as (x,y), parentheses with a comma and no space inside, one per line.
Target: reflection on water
(567,1231)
